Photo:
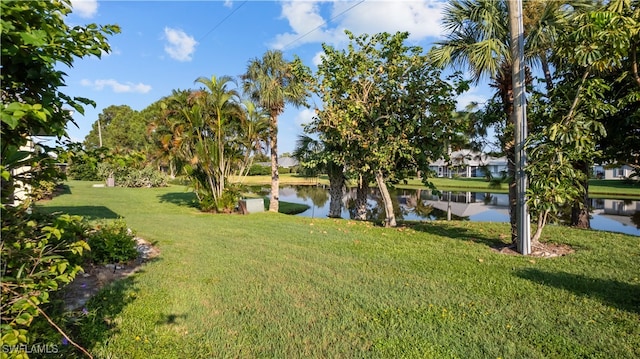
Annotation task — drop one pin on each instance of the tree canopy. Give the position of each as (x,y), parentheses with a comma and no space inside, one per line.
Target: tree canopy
(385,108)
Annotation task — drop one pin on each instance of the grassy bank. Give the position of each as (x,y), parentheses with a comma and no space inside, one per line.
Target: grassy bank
(597,188)
(271,285)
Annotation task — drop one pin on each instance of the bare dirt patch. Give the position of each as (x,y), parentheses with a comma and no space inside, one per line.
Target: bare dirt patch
(545,250)
(95,277)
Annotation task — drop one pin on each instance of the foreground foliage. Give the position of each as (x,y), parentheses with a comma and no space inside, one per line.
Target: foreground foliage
(269,285)
(39,254)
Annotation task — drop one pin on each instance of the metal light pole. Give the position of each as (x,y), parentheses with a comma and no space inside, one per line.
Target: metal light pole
(520,125)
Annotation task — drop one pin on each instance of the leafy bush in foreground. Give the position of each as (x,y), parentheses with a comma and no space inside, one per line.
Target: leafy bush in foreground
(41,254)
(113,243)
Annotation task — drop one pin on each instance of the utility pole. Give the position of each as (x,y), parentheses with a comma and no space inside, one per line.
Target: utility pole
(520,124)
(99,132)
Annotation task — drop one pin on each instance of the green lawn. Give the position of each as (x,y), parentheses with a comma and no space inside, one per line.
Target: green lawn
(271,285)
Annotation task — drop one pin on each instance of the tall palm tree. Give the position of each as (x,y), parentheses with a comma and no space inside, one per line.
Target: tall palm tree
(544,21)
(255,131)
(273,82)
(478,39)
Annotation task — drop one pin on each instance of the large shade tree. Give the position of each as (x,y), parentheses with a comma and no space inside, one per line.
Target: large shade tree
(590,110)
(385,108)
(272,82)
(118,127)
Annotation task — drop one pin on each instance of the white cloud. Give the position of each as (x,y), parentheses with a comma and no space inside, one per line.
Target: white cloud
(317,59)
(420,18)
(128,87)
(306,23)
(180,46)
(305,116)
(85,8)
(228,3)
(475,94)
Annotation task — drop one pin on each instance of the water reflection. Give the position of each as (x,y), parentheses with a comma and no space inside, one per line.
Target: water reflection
(423,204)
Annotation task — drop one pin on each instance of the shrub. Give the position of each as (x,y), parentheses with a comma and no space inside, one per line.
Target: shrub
(40,254)
(113,243)
(259,170)
(133,177)
(43,189)
(225,204)
(145,177)
(229,199)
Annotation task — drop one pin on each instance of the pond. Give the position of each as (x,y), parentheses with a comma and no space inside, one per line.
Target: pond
(607,214)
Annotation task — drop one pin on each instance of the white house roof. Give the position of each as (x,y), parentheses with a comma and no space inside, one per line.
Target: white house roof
(285,162)
(470,158)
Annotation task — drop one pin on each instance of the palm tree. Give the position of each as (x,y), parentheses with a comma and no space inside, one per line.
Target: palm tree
(167,131)
(316,157)
(255,131)
(273,82)
(479,39)
(220,106)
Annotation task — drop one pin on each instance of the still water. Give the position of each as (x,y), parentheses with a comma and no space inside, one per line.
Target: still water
(607,214)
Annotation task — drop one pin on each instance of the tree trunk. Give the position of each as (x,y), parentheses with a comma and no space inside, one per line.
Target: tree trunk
(513,194)
(390,220)
(274,205)
(361,199)
(542,221)
(336,184)
(580,211)
(547,72)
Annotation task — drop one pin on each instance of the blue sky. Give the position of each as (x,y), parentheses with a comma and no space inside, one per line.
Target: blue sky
(166,45)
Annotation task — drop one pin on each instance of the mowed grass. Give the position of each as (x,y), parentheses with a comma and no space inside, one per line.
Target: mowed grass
(272,285)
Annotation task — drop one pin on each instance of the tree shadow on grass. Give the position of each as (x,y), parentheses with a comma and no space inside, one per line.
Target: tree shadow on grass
(61,189)
(621,295)
(95,322)
(184,199)
(88,212)
(455,232)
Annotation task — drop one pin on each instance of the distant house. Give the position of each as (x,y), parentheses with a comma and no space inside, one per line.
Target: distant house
(467,163)
(605,172)
(284,162)
(287,162)
(22,190)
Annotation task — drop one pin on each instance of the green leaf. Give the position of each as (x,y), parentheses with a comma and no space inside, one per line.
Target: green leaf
(10,338)
(24,319)
(11,121)
(62,267)
(36,38)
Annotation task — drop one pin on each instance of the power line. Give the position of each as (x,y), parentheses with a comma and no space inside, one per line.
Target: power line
(223,20)
(324,23)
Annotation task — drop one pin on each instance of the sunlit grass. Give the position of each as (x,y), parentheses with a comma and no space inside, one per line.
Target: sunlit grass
(271,285)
